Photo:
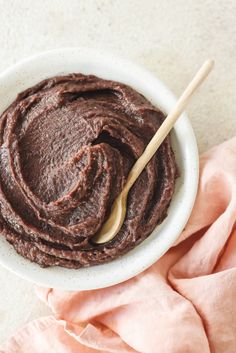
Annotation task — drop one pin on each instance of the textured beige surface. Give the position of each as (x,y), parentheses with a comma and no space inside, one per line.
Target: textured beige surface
(171,38)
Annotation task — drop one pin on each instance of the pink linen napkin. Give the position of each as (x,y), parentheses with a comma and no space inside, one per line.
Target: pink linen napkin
(184,303)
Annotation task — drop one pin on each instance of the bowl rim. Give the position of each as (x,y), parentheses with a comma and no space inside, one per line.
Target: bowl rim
(135,261)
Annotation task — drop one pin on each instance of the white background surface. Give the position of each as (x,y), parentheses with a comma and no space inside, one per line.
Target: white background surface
(171,38)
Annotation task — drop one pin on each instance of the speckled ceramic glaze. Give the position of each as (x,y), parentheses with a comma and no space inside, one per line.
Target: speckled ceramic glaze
(87,61)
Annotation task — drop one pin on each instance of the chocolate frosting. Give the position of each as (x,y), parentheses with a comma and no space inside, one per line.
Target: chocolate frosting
(66,148)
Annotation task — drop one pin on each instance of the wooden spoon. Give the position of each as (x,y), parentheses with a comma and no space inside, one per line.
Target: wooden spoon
(114,223)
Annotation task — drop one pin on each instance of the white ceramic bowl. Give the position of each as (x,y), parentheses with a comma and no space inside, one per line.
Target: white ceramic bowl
(87,61)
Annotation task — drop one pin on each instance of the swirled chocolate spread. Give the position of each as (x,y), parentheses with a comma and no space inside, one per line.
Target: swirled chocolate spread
(66,148)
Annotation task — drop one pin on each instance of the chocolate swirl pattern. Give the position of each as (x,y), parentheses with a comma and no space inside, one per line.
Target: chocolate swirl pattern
(66,148)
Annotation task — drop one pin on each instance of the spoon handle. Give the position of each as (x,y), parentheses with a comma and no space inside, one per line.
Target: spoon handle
(167,124)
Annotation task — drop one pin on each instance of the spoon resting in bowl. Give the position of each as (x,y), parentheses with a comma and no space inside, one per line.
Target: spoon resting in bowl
(118,211)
